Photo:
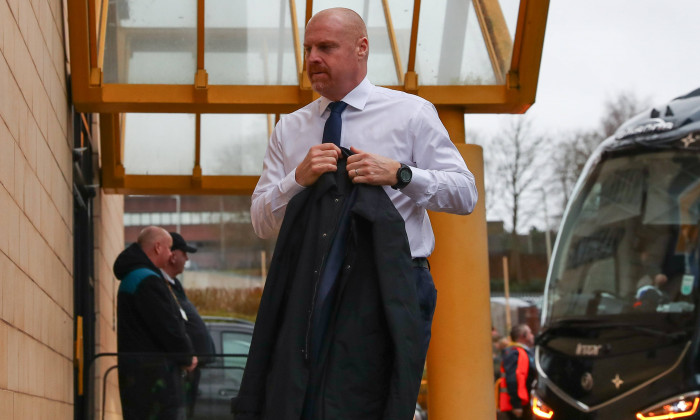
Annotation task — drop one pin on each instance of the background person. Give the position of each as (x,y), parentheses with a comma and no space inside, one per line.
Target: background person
(650,296)
(194,325)
(517,374)
(149,321)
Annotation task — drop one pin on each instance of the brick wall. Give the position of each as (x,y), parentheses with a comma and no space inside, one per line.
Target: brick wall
(36,219)
(109,240)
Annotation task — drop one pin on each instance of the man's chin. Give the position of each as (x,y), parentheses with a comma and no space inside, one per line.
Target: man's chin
(319,86)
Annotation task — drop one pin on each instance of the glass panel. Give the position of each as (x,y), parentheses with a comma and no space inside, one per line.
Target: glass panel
(233,144)
(380,68)
(159,144)
(510,9)
(249,43)
(151,42)
(455,55)
(402,17)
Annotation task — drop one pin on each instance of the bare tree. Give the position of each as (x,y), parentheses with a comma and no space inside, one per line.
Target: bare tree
(572,151)
(618,110)
(515,157)
(491,192)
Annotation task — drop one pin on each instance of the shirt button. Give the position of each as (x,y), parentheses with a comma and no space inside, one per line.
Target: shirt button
(336,200)
(324,235)
(347,268)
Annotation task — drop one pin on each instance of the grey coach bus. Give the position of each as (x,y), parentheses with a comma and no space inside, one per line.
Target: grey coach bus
(620,329)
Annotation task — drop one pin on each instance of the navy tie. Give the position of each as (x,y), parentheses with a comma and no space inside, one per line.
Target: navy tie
(334,124)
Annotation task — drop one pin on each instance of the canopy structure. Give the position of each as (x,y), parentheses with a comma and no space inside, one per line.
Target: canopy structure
(189,90)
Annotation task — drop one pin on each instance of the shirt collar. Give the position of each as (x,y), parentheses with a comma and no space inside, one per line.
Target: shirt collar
(167,277)
(357,98)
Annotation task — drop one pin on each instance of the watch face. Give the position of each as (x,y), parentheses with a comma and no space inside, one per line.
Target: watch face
(406,175)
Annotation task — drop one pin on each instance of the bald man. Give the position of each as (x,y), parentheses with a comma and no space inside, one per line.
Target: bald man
(149,320)
(393,140)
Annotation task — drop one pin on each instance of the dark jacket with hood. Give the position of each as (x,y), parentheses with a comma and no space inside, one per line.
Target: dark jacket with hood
(148,317)
(148,321)
(370,361)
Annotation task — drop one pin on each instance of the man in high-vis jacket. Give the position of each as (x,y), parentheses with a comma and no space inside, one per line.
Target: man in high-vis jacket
(517,374)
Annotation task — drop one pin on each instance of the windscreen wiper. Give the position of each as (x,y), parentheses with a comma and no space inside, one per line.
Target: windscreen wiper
(597,324)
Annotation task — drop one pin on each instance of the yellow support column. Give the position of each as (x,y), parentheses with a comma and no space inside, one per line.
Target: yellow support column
(460,373)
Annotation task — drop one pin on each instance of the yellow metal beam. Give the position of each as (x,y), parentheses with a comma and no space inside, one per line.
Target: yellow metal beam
(182,184)
(102,34)
(392,40)
(78,38)
(496,36)
(110,150)
(529,38)
(277,99)
(296,39)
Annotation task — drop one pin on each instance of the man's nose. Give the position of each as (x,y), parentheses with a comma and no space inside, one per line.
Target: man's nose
(312,54)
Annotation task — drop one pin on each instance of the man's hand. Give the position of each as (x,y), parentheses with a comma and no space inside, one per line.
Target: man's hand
(191,367)
(320,159)
(518,412)
(368,168)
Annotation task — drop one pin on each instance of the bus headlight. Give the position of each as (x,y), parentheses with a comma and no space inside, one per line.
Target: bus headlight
(539,409)
(674,408)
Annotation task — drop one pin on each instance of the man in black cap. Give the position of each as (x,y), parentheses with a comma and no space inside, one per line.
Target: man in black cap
(194,325)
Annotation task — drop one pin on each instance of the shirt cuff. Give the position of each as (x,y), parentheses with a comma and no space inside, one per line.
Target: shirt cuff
(418,188)
(289,186)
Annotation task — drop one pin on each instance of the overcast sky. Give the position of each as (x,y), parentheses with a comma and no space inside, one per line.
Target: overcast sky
(594,49)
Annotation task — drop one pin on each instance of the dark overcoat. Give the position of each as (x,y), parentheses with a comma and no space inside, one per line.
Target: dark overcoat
(370,362)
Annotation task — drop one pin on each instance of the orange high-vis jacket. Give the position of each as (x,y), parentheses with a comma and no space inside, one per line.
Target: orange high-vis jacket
(516,379)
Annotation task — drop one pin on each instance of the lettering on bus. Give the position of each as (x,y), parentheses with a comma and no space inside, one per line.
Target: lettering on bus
(588,349)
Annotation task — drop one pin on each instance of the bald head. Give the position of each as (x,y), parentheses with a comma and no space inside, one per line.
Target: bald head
(155,243)
(347,19)
(336,50)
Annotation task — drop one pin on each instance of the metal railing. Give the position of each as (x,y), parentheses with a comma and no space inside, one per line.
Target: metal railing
(159,381)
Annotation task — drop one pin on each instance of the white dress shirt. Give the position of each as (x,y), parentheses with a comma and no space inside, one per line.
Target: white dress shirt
(377,120)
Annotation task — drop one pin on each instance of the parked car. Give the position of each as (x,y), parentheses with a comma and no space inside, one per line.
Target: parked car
(221,379)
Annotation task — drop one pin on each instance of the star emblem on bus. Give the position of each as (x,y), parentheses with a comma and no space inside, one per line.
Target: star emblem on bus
(689,139)
(617,381)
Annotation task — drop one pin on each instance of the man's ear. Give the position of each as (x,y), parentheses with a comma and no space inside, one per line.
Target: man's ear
(362,47)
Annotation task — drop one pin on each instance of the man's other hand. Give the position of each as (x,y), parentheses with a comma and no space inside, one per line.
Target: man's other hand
(320,159)
(368,168)
(193,365)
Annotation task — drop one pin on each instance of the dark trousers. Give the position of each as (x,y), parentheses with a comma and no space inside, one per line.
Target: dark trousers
(191,388)
(150,391)
(427,297)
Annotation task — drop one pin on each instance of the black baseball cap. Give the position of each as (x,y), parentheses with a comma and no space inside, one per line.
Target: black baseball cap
(179,243)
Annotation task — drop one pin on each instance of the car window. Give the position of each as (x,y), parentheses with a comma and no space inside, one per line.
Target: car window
(235,343)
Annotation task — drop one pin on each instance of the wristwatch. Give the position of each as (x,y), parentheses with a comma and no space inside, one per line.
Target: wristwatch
(403,177)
